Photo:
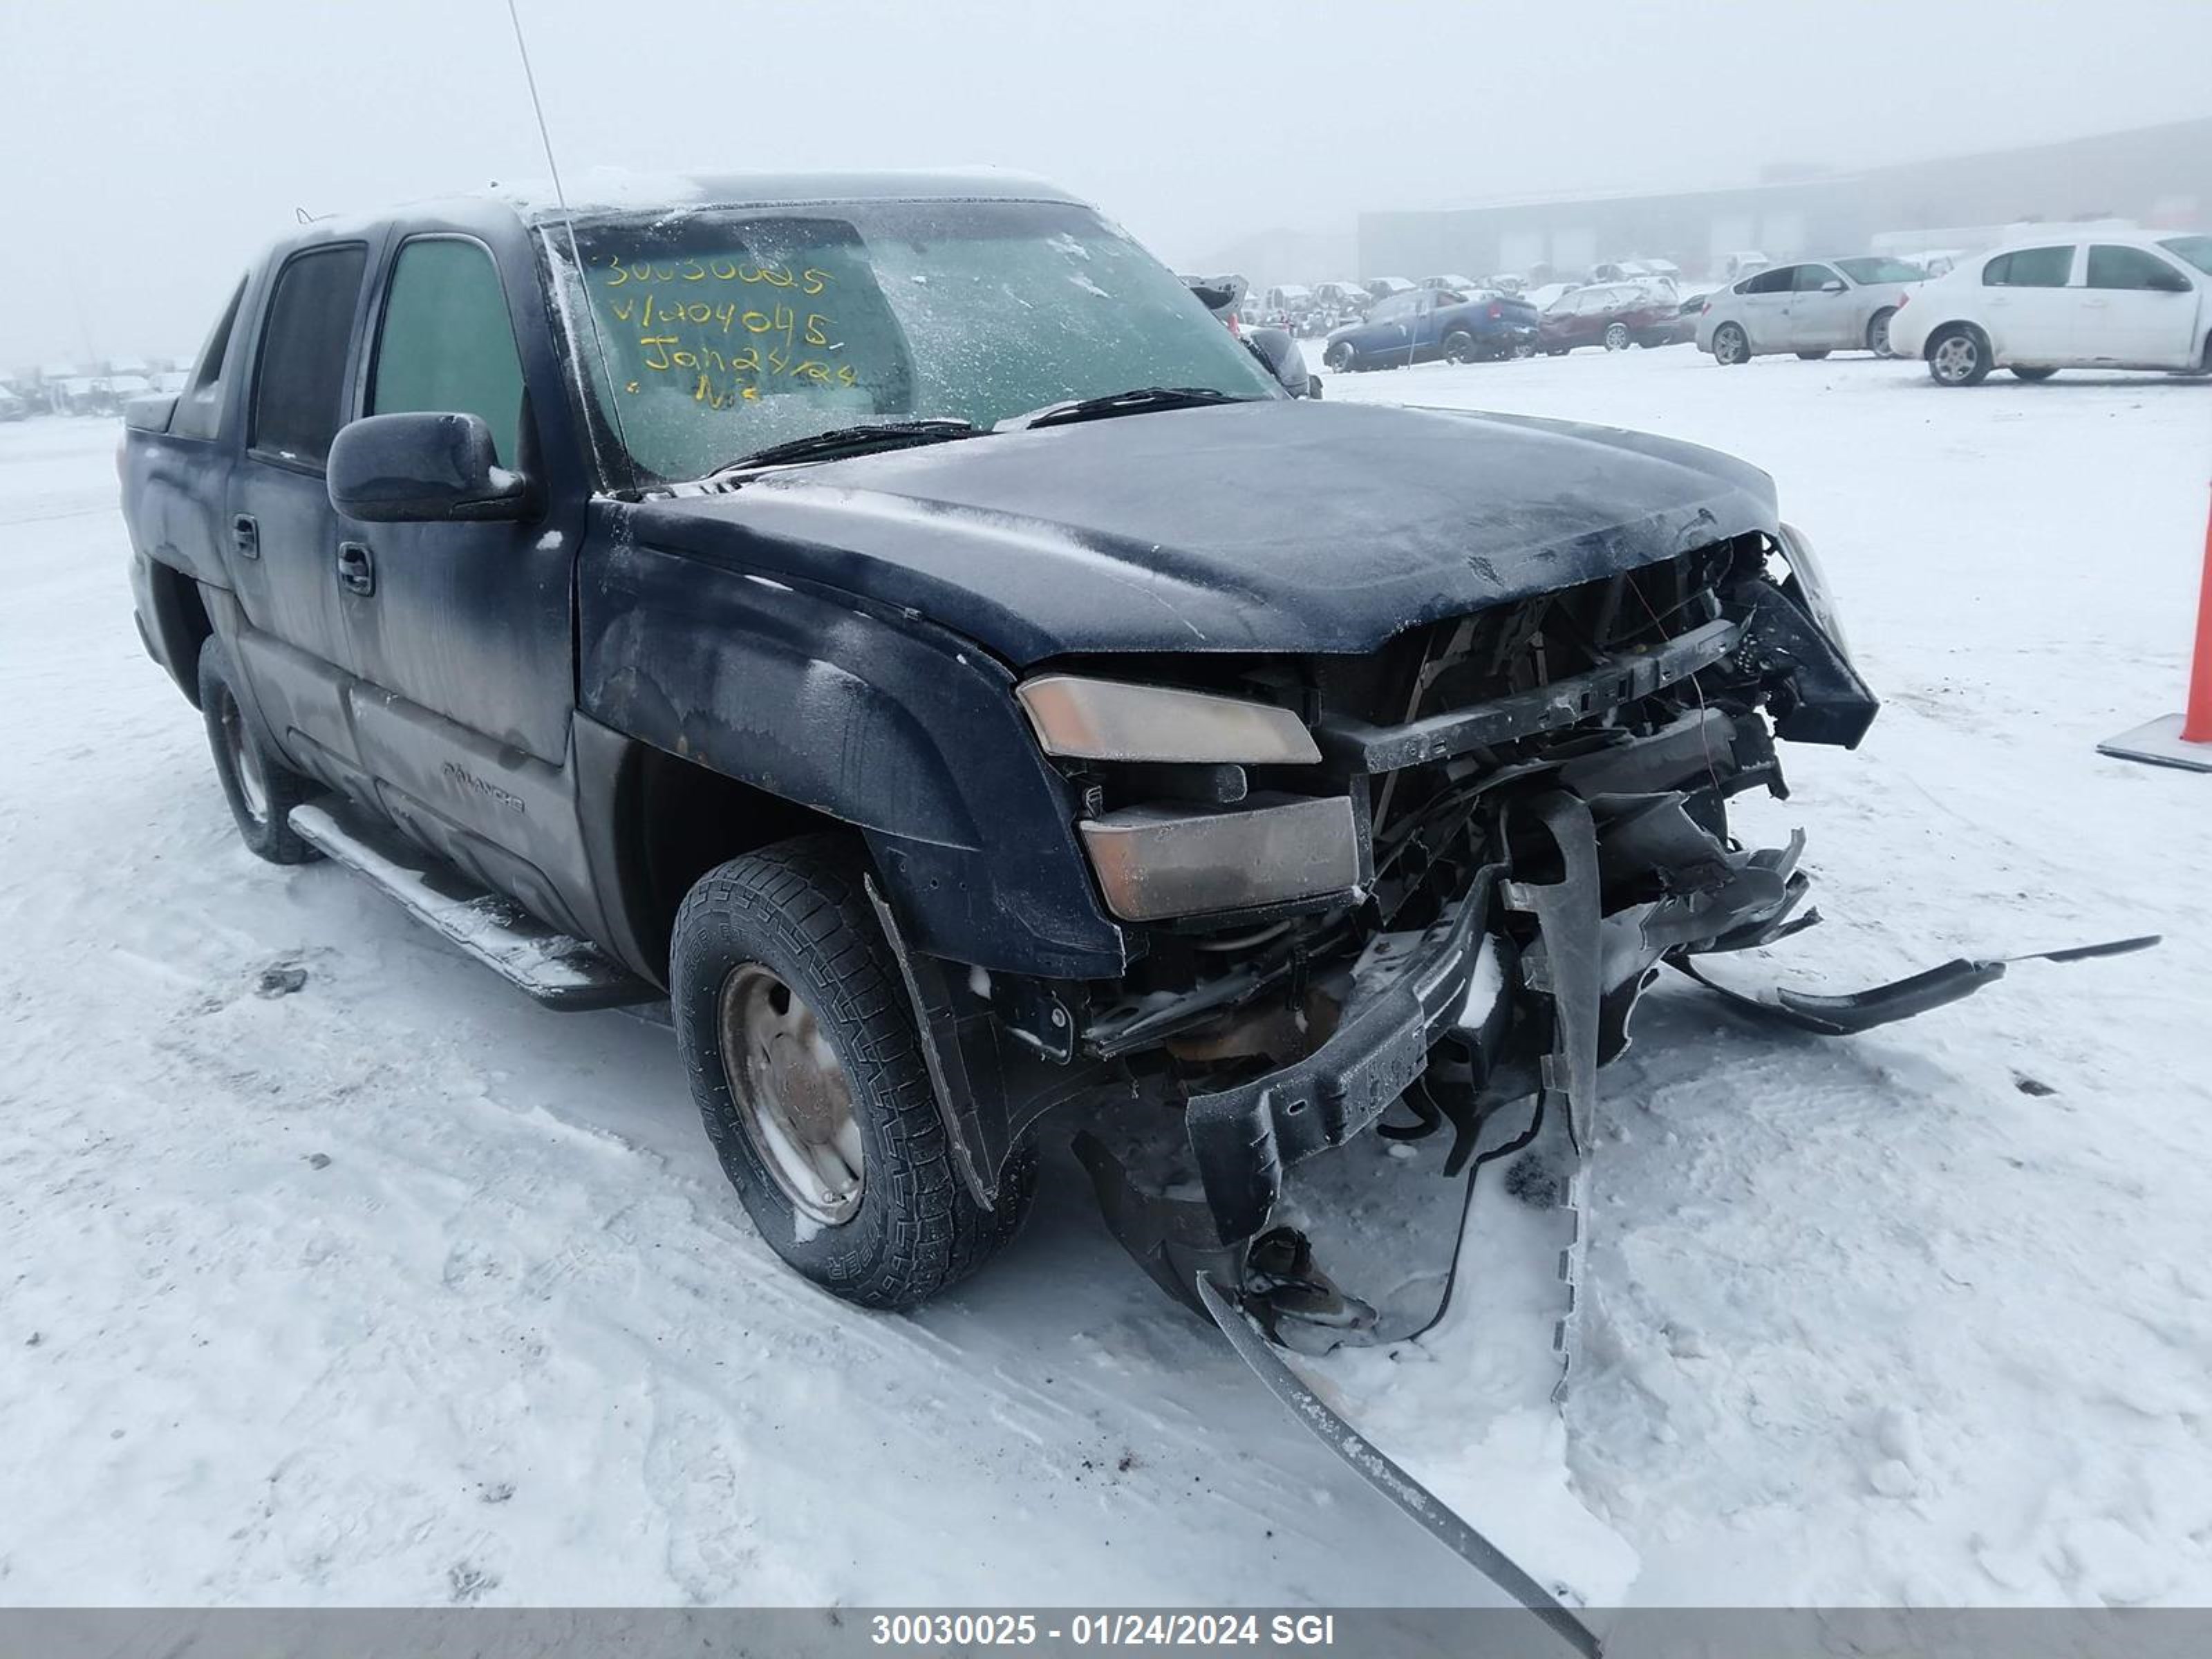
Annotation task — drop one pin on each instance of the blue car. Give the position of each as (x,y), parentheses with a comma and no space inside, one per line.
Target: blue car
(1430,323)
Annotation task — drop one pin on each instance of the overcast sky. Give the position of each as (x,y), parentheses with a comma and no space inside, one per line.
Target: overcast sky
(149,146)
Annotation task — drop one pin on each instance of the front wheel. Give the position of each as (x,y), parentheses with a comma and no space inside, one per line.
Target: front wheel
(1617,337)
(1731,346)
(1957,357)
(1339,357)
(262,790)
(1811,356)
(2033,376)
(1877,334)
(807,1064)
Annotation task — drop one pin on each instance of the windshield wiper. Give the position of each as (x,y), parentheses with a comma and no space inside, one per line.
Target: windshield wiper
(1142,400)
(854,440)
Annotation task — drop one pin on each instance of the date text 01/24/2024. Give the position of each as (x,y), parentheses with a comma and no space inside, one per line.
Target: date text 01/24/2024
(1239,1630)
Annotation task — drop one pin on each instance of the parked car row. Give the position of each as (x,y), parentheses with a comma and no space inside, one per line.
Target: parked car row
(2112,299)
(2115,300)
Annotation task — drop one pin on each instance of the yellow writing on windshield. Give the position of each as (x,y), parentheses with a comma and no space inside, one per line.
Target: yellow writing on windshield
(621,272)
(720,351)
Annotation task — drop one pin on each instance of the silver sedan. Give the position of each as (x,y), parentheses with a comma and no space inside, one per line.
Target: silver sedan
(1812,309)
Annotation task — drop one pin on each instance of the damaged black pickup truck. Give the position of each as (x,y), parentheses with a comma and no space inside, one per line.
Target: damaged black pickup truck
(891,620)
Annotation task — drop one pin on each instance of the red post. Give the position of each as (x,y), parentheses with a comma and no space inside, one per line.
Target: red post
(2197,717)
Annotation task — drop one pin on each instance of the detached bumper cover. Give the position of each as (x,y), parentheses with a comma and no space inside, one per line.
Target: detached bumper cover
(1410,991)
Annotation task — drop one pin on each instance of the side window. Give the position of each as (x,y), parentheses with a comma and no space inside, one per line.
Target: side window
(2133,267)
(445,344)
(200,406)
(1812,278)
(2030,267)
(299,385)
(1777,281)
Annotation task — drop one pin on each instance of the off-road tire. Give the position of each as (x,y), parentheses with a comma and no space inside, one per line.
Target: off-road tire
(800,909)
(262,790)
(1811,356)
(1974,353)
(1731,345)
(1877,334)
(2033,376)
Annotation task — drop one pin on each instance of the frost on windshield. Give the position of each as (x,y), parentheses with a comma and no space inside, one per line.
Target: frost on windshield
(713,335)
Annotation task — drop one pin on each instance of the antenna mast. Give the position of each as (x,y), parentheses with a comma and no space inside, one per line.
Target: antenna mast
(568,224)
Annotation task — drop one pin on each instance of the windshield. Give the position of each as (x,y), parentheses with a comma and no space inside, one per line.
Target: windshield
(725,332)
(2197,250)
(1868,272)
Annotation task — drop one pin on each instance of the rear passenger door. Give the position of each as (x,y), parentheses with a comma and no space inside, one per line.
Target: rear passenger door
(2034,309)
(1765,307)
(1819,320)
(283,532)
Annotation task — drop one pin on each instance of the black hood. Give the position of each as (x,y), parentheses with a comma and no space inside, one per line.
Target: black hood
(1275,527)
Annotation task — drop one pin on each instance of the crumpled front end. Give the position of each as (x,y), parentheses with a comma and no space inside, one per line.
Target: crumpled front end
(1538,798)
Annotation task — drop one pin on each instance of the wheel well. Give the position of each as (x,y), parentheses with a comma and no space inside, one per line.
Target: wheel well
(679,821)
(1981,339)
(180,624)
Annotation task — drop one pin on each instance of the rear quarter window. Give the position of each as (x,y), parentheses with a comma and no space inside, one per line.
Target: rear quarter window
(199,406)
(2030,267)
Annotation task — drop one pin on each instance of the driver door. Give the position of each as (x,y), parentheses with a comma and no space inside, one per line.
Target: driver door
(2138,310)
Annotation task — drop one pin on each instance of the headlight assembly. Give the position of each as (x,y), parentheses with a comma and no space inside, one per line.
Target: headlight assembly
(1812,585)
(1106,720)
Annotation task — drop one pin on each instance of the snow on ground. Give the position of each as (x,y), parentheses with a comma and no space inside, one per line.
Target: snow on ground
(396,1288)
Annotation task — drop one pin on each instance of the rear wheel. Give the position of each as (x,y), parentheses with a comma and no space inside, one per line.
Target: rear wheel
(1731,346)
(807,1064)
(1957,356)
(261,789)
(1811,356)
(2033,376)
(1339,357)
(1877,334)
(1460,347)
(1617,337)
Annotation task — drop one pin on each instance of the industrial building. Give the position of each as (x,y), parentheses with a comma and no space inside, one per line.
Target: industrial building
(2153,176)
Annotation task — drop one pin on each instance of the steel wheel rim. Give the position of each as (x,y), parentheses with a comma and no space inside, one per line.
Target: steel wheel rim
(793,1097)
(245,762)
(1955,357)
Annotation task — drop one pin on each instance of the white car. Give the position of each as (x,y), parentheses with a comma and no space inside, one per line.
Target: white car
(1812,309)
(2118,299)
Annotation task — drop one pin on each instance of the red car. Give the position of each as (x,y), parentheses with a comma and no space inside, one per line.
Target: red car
(1615,315)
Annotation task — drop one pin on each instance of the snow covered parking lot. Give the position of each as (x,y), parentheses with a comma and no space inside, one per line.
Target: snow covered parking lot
(392,1287)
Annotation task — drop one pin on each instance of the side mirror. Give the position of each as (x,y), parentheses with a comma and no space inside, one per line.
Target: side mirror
(1284,360)
(423,469)
(1833,285)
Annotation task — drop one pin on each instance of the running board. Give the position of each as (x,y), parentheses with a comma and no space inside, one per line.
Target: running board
(549,967)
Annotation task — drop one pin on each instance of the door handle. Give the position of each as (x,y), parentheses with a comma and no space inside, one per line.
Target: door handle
(356,570)
(245,536)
